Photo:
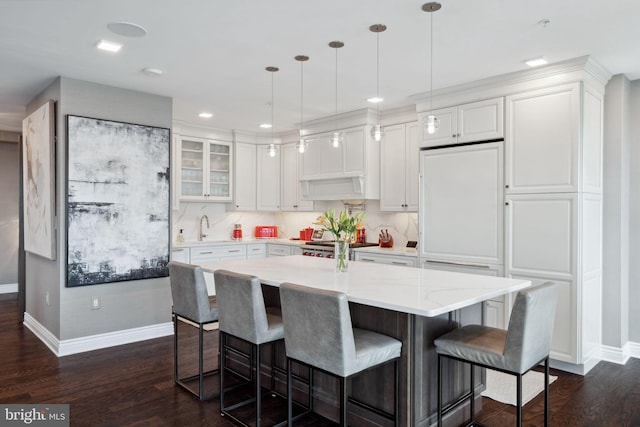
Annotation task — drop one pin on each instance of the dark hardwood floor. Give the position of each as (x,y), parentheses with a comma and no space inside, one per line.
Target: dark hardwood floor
(132,385)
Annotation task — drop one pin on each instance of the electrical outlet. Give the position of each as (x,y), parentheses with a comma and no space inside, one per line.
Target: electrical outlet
(95,303)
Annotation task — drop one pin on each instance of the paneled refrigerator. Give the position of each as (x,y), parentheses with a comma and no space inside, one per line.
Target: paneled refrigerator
(461,213)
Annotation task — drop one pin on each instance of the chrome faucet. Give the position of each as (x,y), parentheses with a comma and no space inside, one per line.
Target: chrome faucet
(202,235)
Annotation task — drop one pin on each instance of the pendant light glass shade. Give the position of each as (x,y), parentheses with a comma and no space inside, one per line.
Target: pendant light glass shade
(377,133)
(336,137)
(432,123)
(301,145)
(271,148)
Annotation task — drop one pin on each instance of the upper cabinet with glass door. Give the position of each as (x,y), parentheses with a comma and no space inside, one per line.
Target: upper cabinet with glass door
(205,170)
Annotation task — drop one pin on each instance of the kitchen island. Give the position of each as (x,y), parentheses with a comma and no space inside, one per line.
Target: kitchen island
(411,304)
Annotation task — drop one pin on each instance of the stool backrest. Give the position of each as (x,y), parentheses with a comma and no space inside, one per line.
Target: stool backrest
(531,326)
(241,309)
(189,292)
(317,327)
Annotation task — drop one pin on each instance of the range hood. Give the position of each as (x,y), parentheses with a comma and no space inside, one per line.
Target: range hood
(350,171)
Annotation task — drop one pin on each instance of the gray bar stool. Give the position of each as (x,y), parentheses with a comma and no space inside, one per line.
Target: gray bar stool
(243,315)
(191,302)
(319,334)
(524,345)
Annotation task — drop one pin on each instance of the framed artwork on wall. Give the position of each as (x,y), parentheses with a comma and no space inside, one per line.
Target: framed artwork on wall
(39,181)
(117,201)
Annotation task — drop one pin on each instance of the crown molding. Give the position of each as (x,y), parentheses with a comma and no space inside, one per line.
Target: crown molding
(584,69)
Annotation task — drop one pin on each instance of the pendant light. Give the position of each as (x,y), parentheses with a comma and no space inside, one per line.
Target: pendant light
(376,131)
(432,123)
(302,144)
(271,148)
(336,137)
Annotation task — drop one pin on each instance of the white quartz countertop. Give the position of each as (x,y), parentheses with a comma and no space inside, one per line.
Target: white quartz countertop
(405,289)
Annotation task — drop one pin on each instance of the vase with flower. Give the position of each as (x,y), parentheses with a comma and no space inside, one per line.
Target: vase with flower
(343,228)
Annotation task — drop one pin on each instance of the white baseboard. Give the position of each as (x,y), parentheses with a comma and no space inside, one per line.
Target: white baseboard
(621,355)
(9,288)
(95,342)
(634,349)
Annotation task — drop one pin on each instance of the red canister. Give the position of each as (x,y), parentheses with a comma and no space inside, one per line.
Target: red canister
(237,232)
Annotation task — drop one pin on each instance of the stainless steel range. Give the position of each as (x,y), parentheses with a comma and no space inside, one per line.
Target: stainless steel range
(325,248)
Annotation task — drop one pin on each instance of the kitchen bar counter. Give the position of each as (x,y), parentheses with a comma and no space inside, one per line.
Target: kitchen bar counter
(411,304)
(404,289)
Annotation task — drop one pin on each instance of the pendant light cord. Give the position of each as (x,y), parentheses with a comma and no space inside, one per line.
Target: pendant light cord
(431,66)
(336,90)
(378,75)
(301,96)
(272,139)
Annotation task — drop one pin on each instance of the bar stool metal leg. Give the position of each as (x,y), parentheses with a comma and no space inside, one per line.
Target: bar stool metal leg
(519,400)
(439,390)
(546,392)
(343,401)
(258,388)
(472,393)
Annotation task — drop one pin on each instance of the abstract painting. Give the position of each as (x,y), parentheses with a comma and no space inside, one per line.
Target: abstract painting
(117,201)
(38,180)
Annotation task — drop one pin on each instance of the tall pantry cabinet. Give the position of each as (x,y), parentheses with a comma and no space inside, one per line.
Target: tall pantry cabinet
(553,197)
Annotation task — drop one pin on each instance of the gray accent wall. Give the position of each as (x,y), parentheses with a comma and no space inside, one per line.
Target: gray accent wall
(124,305)
(615,279)
(634,215)
(9,191)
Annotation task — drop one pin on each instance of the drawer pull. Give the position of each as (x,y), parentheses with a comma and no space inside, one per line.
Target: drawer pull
(234,250)
(398,263)
(460,264)
(367,259)
(206,253)
(178,250)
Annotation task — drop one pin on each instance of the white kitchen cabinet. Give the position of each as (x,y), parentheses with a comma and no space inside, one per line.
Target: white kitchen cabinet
(244,177)
(180,255)
(204,254)
(290,182)
(349,171)
(557,237)
(461,204)
(256,250)
(268,180)
(543,140)
(475,121)
(274,249)
(405,261)
(205,170)
(399,168)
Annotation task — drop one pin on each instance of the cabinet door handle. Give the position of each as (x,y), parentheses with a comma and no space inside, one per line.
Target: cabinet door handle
(206,253)
(178,250)
(506,203)
(234,250)
(506,186)
(398,263)
(367,259)
(453,136)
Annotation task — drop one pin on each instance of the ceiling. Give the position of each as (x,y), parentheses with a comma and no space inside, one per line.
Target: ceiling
(214,52)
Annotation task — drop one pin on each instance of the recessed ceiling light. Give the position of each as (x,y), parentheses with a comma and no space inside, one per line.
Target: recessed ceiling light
(153,72)
(375,99)
(536,62)
(205,115)
(109,46)
(127,29)
(265,126)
